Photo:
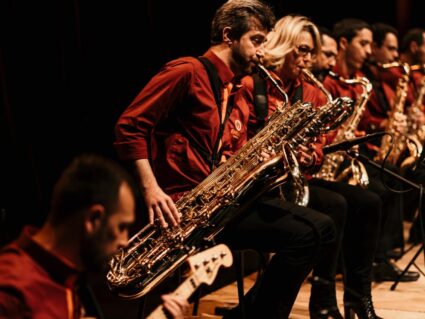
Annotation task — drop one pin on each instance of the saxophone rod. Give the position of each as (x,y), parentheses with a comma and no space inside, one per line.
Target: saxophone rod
(267,74)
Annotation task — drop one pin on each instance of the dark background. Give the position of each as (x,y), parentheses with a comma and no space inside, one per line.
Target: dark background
(68,68)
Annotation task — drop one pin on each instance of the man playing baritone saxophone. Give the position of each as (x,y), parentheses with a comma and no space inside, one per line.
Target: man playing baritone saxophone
(289,49)
(375,118)
(175,133)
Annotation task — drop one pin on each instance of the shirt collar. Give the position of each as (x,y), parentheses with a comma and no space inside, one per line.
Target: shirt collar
(60,270)
(224,73)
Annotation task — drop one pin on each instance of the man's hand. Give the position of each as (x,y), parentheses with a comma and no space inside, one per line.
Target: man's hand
(160,206)
(305,155)
(177,306)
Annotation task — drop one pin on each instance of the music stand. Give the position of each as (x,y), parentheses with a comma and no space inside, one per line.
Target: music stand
(419,187)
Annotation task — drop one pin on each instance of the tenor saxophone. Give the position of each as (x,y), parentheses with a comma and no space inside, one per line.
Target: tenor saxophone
(154,253)
(392,147)
(300,186)
(416,133)
(355,173)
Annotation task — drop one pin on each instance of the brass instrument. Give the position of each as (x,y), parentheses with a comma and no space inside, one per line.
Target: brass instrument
(297,189)
(154,252)
(395,146)
(416,133)
(355,173)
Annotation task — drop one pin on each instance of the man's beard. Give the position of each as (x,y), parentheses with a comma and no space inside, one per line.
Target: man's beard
(92,251)
(245,67)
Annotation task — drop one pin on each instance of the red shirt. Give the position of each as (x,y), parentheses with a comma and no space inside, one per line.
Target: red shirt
(175,119)
(338,88)
(416,77)
(382,98)
(36,284)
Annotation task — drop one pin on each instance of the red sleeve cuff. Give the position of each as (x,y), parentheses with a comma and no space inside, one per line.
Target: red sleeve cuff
(132,150)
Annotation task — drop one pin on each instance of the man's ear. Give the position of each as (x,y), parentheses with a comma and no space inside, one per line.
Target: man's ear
(93,218)
(343,43)
(413,47)
(227,35)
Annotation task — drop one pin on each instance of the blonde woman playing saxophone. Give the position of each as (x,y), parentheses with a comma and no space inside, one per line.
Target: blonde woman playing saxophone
(289,52)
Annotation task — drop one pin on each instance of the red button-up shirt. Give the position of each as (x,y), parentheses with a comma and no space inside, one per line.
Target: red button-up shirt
(175,119)
(36,284)
(338,88)
(384,87)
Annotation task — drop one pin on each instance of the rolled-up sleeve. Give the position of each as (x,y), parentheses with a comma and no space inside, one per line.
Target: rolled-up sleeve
(163,92)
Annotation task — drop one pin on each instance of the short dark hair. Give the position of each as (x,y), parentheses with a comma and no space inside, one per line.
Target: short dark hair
(348,28)
(325,31)
(380,30)
(89,179)
(413,35)
(238,15)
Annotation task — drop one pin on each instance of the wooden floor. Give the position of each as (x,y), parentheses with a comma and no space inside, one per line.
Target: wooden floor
(407,301)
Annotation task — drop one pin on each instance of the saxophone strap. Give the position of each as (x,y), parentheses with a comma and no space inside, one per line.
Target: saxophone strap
(216,85)
(261,100)
(378,89)
(298,94)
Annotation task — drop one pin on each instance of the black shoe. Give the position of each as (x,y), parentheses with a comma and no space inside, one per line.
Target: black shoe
(395,254)
(326,313)
(414,237)
(388,271)
(363,309)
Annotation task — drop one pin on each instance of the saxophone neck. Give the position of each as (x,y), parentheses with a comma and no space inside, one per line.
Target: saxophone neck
(319,84)
(405,67)
(266,75)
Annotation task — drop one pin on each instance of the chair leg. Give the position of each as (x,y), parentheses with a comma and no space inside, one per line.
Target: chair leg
(141,308)
(240,274)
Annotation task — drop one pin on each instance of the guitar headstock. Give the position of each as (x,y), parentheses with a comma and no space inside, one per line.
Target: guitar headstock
(205,264)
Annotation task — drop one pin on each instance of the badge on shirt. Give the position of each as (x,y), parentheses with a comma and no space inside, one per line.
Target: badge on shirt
(236,132)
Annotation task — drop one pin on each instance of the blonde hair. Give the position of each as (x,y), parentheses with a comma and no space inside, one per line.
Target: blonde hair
(283,38)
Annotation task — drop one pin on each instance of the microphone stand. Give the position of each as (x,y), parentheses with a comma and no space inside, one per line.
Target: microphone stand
(366,160)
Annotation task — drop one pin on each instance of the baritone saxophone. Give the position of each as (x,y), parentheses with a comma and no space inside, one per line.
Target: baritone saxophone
(154,253)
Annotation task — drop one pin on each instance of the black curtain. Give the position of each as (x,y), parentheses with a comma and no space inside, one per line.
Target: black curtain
(68,68)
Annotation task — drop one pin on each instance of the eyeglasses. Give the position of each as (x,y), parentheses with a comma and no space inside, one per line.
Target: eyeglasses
(304,50)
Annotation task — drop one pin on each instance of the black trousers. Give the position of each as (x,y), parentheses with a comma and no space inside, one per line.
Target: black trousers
(391,234)
(295,234)
(412,199)
(356,213)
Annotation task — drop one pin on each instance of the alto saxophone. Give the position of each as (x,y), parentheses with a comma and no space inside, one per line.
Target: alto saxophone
(393,147)
(332,162)
(300,190)
(154,253)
